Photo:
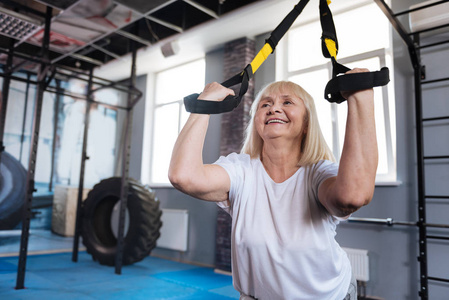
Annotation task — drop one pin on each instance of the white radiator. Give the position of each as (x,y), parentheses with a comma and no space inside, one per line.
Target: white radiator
(359,262)
(174,230)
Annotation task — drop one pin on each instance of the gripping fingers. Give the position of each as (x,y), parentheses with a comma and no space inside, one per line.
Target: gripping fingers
(348,94)
(215,92)
(357,70)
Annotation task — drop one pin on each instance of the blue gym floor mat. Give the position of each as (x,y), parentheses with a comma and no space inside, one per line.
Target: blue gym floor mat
(55,276)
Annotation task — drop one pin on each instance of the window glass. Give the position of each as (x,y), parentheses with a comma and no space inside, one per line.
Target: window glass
(165,134)
(304,47)
(314,83)
(169,113)
(371,64)
(364,41)
(358,30)
(184,116)
(174,84)
(111,96)
(14,120)
(44,153)
(361,30)
(102,144)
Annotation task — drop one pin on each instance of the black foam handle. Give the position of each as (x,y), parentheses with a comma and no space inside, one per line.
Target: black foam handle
(354,82)
(193,105)
(277,34)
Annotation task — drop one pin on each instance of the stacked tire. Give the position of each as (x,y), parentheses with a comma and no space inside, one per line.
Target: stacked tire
(12,191)
(100,211)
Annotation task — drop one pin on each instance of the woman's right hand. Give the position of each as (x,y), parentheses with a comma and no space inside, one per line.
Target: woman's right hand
(215,92)
(187,171)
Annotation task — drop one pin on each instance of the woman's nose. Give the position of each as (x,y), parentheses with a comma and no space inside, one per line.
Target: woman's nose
(275,108)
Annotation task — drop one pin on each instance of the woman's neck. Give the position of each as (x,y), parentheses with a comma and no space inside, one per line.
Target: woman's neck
(280,160)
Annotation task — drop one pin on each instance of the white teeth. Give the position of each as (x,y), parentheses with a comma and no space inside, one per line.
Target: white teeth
(276,121)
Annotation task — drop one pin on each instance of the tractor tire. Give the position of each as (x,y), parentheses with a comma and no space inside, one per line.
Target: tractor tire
(142,228)
(12,191)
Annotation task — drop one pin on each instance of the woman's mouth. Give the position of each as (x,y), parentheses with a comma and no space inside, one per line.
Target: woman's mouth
(271,121)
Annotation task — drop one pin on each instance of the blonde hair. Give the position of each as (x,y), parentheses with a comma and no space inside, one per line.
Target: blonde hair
(313,146)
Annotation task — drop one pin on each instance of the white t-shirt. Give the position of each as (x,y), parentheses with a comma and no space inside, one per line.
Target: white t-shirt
(283,239)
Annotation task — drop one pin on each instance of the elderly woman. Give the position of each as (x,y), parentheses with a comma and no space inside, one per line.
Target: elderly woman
(284,192)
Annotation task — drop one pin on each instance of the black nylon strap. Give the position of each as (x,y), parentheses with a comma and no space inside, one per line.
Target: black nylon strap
(338,68)
(194,105)
(357,81)
(328,27)
(277,34)
(354,82)
(345,82)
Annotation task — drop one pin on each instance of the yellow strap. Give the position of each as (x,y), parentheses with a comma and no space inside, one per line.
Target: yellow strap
(261,57)
(331,47)
(329,2)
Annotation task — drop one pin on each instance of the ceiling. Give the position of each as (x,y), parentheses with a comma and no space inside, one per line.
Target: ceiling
(86,33)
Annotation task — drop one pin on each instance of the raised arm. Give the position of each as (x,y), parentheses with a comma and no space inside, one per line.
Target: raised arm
(354,185)
(187,171)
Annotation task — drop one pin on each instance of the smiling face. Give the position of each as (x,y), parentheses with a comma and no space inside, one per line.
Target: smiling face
(300,116)
(281,114)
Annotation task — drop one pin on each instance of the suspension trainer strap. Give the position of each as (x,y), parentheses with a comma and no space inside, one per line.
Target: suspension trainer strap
(329,45)
(194,105)
(345,82)
(354,82)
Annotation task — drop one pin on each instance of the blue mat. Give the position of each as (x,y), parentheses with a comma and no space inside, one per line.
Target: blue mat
(55,276)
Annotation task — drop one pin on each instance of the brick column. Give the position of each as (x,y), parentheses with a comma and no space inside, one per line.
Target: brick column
(237,54)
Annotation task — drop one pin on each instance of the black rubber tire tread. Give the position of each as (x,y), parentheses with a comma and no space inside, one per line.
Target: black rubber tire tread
(144,222)
(13,191)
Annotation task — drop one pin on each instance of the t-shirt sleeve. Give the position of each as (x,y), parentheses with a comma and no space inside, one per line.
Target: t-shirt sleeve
(321,171)
(234,164)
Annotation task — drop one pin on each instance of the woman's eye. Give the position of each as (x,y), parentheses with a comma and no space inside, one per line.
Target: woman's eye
(264,105)
(287,102)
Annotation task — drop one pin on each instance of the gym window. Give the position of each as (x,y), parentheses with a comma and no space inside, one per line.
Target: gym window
(171,86)
(364,41)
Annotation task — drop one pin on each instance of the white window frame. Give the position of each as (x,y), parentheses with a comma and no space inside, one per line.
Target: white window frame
(385,58)
(147,176)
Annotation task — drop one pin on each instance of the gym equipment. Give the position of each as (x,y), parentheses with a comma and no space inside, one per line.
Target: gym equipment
(339,82)
(99,216)
(12,191)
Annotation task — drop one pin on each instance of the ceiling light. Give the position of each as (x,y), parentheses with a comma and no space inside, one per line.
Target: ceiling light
(16,25)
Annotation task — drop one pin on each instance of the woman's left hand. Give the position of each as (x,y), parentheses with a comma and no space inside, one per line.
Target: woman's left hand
(354,185)
(360,94)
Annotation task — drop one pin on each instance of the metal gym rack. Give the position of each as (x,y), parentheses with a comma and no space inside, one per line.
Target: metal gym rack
(145,24)
(413,42)
(47,72)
